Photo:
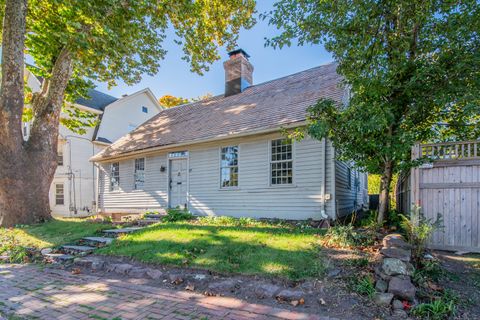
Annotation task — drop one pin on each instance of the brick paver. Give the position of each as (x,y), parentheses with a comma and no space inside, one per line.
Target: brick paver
(30,292)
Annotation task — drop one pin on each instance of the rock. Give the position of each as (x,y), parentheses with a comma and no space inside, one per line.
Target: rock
(383,299)
(289,295)
(81,262)
(137,272)
(97,264)
(395,241)
(402,288)
(175,279)
(266,291)
(217,288)
(334,273)
(397,305)
(399,313)
(123,268)
(380,274)
(46,251)
(200,277)
(397,253)
(393,267)
(154,274)
(381,285)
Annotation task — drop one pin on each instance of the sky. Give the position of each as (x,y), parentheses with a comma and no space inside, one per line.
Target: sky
(175,78)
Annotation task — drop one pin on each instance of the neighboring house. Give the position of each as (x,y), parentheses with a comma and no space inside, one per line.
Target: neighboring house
(226,155)
(73,191)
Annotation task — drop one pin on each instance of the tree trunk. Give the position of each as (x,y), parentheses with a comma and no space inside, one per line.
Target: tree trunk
(384,200)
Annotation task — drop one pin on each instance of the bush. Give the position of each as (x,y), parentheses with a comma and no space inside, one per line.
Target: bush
(229,221)
(363,285)
(346,236)
(418,230)
(174,215)
(10,247)
(436,310)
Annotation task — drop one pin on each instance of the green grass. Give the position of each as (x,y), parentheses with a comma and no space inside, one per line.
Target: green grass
(258,249)
(53,233)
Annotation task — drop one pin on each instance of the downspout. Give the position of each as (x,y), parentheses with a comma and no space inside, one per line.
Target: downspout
(323,213)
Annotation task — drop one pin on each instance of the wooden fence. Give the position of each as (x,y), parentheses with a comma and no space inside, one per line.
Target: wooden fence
(448,186)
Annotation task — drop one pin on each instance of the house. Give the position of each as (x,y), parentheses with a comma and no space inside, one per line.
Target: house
(73,190)
(226,155)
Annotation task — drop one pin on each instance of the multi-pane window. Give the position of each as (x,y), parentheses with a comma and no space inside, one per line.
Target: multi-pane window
(139,174)
(115,176)
(229,167)
(59,194)
(60,158)
(281,165)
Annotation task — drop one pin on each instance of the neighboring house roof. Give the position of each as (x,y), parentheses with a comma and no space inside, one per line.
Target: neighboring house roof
(270,105)
(98,100)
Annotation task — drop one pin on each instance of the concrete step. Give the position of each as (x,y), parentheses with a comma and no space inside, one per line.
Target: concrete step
(96,241)
(147,222)
(119,232)
(73,249)
(153,216)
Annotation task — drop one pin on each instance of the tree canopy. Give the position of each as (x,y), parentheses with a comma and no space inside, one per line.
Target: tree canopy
(412,70)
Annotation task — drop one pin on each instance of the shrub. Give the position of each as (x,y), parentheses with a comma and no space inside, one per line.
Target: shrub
(346,236)
(364,285)
(418,230)
(229,221)
(10,247)
(174,215)
(428,270)
(436,310)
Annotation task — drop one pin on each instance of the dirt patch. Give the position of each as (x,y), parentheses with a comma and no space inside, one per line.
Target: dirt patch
(463,277)
(327,296)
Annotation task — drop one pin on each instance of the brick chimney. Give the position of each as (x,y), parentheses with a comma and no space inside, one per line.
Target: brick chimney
(238,72)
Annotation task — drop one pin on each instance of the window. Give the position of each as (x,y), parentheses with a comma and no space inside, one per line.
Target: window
(281,165)
(59,194)
(115,176)
(229,167)
(139,174)
(349,178)
(60,158)
(144,109)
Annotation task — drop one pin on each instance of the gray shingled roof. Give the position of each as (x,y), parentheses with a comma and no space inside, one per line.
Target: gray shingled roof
(98,100)
(269,105)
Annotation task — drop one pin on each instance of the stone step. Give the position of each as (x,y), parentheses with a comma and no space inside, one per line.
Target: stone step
(118,232)
(154,216)
(59,257)
(73,249)
(147,222)
(97,241)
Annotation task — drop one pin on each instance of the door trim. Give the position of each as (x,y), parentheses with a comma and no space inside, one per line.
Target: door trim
(169,170)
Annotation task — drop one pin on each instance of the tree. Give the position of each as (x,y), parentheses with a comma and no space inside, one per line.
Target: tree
(73,42)
(168,101)
(412,69)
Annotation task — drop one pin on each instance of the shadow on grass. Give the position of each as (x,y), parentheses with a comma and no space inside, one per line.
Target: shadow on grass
(271,251)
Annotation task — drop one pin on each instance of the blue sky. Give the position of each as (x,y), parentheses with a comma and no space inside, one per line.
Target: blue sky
(175,78)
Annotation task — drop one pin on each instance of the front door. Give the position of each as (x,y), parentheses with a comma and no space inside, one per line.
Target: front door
(178,183)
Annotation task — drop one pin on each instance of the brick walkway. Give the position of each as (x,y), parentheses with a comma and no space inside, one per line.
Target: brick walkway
(30,292)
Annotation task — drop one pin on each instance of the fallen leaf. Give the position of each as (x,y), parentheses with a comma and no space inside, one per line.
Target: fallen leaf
(301,301)
(190,287)
(76,271)
(294,303)
(322,302)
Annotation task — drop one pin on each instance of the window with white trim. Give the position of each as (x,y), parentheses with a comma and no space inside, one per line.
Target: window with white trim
(139,174)
(59,194)
(60,158)
(281,162)
(115,176)
(229,167)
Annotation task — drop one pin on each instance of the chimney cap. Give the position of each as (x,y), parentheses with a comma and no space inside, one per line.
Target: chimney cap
(239,51)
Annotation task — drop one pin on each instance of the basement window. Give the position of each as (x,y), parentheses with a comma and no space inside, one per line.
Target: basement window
(229,167)
(59,194)
(115,176)
(281,163)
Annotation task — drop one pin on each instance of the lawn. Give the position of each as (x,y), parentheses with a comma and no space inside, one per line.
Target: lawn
(53,233)
(260,249)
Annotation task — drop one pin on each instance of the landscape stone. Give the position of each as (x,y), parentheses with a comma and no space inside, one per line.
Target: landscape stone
(381,285)
(397,253)
(334,273)
(200,277)
(393,267)
(289,295)
(383,299)
(395,241)
(154,274)
(46,251)
(399,313)
(397,304)
(77,249)
(402,288)
(82,262)
(137,272)
(380,274)
(122,268)
(98,240)
(175,279)
(266,291)
(222,286)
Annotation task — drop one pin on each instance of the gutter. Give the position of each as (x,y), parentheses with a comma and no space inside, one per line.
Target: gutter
(146,151)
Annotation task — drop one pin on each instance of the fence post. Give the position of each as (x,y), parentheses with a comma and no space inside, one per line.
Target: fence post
(415,178)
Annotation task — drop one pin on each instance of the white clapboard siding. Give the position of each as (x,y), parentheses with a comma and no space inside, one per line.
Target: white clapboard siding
(254,196)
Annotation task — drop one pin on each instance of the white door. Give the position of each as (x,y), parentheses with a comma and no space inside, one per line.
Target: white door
(178,183)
